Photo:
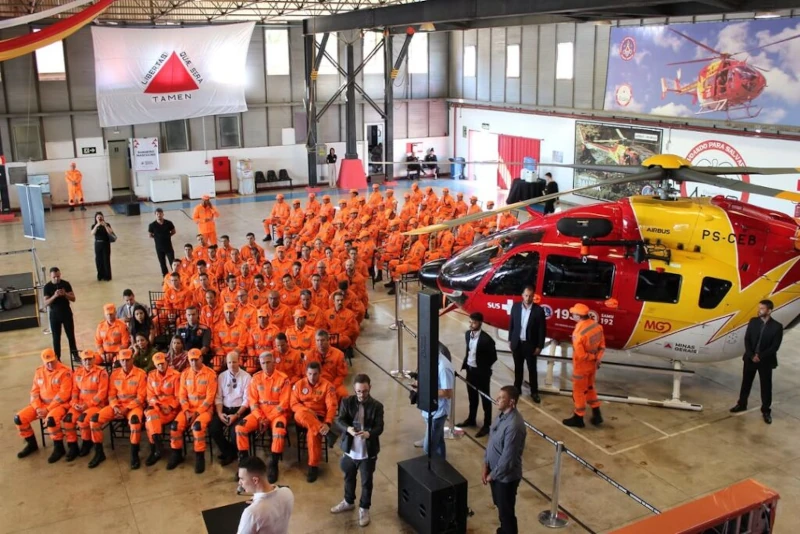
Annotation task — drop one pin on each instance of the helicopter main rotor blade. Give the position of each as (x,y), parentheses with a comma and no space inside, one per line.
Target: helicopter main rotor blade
(690,175)
(722,171)
(656,174)
(704,60)
(622,169)
(698,43)
(766,45)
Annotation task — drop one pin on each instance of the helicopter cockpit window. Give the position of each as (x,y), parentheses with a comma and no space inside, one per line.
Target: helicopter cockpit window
(573,278)
(514,274)
(654,286)
(712,291)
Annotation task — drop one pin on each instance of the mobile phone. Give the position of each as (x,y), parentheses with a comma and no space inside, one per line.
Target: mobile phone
(357,426)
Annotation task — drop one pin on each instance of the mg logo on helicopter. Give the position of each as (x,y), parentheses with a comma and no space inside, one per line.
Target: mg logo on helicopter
(660,327)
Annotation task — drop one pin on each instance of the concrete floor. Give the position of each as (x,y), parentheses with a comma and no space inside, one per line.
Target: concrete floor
(667,457)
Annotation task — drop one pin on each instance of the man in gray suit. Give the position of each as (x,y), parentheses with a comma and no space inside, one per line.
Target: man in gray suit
(526,335)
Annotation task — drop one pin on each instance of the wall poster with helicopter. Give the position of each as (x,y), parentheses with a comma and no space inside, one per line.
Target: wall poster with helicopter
(741,71)
(599,143)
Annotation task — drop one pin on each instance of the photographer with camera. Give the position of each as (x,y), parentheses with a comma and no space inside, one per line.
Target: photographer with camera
(57,296)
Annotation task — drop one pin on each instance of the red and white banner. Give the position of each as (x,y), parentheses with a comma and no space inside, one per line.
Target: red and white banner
(156,75)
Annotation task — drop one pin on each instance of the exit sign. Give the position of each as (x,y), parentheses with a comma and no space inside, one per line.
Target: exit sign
(485,126)
(89,150)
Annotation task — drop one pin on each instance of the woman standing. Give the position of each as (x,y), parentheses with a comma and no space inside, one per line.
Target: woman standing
(103,237)
(331,159)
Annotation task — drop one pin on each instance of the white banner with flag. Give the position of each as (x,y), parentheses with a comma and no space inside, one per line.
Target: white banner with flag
(156,75)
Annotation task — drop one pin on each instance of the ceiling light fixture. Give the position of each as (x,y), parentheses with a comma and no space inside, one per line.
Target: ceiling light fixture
(427,27)
(767,15)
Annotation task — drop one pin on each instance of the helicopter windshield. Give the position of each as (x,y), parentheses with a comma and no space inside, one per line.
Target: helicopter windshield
(466,270)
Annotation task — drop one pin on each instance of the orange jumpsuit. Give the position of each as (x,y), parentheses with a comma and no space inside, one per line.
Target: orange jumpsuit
(411,262)
(343,323)
(328,210)
(224,253)
(89,389)
(247,315)
(444,247)
(334,368)
(246,253)
(210,316)
(507,220)
(258,297)
(177,299)
(110,338)
(294,225)
(464,238)
(290,363)
(228,295)
(162,401)
(375,199)
(281,266)
(278,217)
(320,298)
(392,249)
(244,281)
(232,267)
(328,282)
(196,395)
(261,340)
(314,405)
(326,232)
(74,187)
(301,340)
(353,303)
(315,318)
(461,208)
(127,392)
(416,194)
(51,391)
(588,345)
(310,230)
(358,285)
(281,317)
(204,217)
(268,397)
(446,208)
(477,225)
(313,205)
(226,338)
(290,297)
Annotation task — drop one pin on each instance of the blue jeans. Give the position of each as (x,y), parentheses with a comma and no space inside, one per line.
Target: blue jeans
(437,438)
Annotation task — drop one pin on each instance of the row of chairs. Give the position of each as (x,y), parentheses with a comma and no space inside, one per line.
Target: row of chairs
(271,178)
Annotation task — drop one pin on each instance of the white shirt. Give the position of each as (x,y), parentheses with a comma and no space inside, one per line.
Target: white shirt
(231,396)
(358,450)
(472,357)
(523,322)
(269,513)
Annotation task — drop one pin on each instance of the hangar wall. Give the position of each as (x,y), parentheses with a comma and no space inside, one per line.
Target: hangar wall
(63,113)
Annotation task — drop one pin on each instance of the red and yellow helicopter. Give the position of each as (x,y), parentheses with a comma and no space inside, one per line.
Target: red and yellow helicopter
(668,276)
(725,84)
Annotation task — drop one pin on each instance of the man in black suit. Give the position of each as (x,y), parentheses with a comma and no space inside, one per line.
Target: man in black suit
(481,355)
(526,335)
(762,339)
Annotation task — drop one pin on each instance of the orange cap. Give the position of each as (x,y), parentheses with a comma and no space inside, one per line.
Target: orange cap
(312,195)
(580,309)
(229,307)
(48,355)
(125,354)
(354,191)
(206,197)
(406,195)
(109,308)
(194,354)
(279,197)
(262,313)
(88,354)
(326,197)
(300,313)
(296,201)
(445,190)
(473,197)
(342,201)
(389,192)
(159,357)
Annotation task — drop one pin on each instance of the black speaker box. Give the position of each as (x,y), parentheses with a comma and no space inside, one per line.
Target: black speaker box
(429,302)
(431,501)
(132,209)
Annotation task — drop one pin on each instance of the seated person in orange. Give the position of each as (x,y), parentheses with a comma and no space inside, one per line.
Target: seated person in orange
(361,263)
(111,335)
(272,279)
(342,323)
(296,218)
(375,198)
(201,251)
(228,335)
(353,226)
(296,274)
(215,266)
(199,291)
(310,228)
(461,206)
(410,263)
(357,284)
(228,294)
(211,312)
(331,359)
(507,220)
(312,204)
(163,386)
(244,279)
(489,223)
(281,264)
(177,267)
(246,313)
(279,314)
(290,293)
(300,335)
(127,397)
(314,403)
(268,396)
(325,233)
(430,195)
(277,219)
(391,250)
(225,248)
(50,395)
(416,194)
(289,246)
(443,248)
(352,301)
(89,396)
(251,252)
(257,296)
(308,265)
(234,264)
(315,317)
(319,295)
(327,209)
(337,243)
(354,201)
(177,297)
(262,338)
(366,249)
(326,270)
(389,203)
(465,236)
(188,262)
(446,208)
(289,361)
(409,209)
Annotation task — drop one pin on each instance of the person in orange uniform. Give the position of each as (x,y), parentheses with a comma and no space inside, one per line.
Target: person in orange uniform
(279,314)
(444,246)
(332,362)
(268,396)
(228,335)
(111,335)
(204,215)
(314,403)
(271,279)
(257,296)
(300,335)
(431,198)
(50,395)
(294,224)
(288,360)
(465,236)
(231,289)
(251,251)
(244,280)
(411,262)
(507,220)
(127,395)
(163,384)
(416,193)
(352,302)
(327,208)
(281,264)
(319,295)
(588,347)
(290,293)
(176,297)
(446,208)
(391,250)
(89,396)
(74,187)
(225,248)
(315,318)
(276,220)
(461,206)
(211,312)
(201,251)
(310,228)
(489,223)
(342,323)
(389,203)
(246,313)
(341,213)
(326,270)
(262,339)
(356,281)
(312,204)
(196,395)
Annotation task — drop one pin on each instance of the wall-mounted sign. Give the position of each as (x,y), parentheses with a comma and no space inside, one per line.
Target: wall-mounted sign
(464,132)
(89,150)
(145,154)
(485,126)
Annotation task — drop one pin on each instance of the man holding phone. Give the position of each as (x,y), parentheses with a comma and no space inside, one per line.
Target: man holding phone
(57,296)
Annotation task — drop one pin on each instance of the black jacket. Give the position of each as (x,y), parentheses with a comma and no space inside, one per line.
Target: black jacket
(535,333)
(373,423)
(485,352)
(770,341)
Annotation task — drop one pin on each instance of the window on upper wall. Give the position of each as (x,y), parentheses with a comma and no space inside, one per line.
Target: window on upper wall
(418,54)
(512,61)
(27,142)
(176,136)
(565,61)
(332,48)
(655,286)
(277,52)
(50,62)
(470,59)
(228,131)
(374,65)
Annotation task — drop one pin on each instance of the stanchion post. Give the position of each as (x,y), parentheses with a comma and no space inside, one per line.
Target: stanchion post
(399,324)
(553,518)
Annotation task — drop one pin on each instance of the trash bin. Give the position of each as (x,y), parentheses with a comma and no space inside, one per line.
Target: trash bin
(457,168)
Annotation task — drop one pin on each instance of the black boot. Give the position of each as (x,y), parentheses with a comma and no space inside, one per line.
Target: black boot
(272,469)
(72,451)
(228,456)
(393,290)
(313,473)
(597,417)
(390,283)
(267,238)
(83,208)
(135,463)
(72,208)
(30,447)
(155,452)
(199,462)
(379,276)
(574,421)
(58,451)
(86,448)
(175,458)
(99,456)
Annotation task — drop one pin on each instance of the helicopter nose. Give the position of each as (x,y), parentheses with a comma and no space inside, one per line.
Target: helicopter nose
(429,274)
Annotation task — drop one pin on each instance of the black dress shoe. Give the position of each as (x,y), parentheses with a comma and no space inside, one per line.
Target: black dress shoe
(536,398)
(467,423)
(767,418)
(484,431)
(738,408)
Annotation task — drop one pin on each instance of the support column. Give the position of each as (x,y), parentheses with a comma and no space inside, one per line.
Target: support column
(351,150)
(311,108)
(388,106)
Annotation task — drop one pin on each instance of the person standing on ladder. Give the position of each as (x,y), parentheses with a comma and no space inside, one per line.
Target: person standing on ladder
(74,187)
(588,345)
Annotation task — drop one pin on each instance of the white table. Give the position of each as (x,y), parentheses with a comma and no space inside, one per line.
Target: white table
(165,188)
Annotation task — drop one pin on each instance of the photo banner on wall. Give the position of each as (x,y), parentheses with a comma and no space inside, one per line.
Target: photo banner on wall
(156,75)
(741,71)
(612,144)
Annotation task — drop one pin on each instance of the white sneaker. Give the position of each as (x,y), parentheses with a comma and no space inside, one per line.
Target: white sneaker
(419,444)
(343,506)
(363,517)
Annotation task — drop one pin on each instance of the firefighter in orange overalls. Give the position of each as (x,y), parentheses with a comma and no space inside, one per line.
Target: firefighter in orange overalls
(111,335)
(300,335)
(446,207)
(89,396)
(507,220)
(588,347)
(268,396)
(319,295)
(312,204)
(391,250)
(461,206)
(342,322)
(277,219)
(332,362)
(163,384)
(196,395)
(204,215)
(288,360)
(412,261)
(294,225)
(262,339)
(74,187)
(314,402)
(228,335)
(127,394)
(416,194)
(279,314)
(465,235)
(315,316)
(50,396)
(327,208)
(489,223)
(445,240)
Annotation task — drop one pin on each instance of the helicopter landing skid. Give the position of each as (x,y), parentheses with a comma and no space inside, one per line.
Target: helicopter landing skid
(747,109)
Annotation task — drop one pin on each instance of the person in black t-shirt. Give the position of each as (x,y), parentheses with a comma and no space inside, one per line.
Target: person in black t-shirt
(57,296)
(550,188)
(162,230)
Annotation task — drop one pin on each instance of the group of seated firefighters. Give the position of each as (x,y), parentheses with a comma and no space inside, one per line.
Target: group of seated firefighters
(289,322)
